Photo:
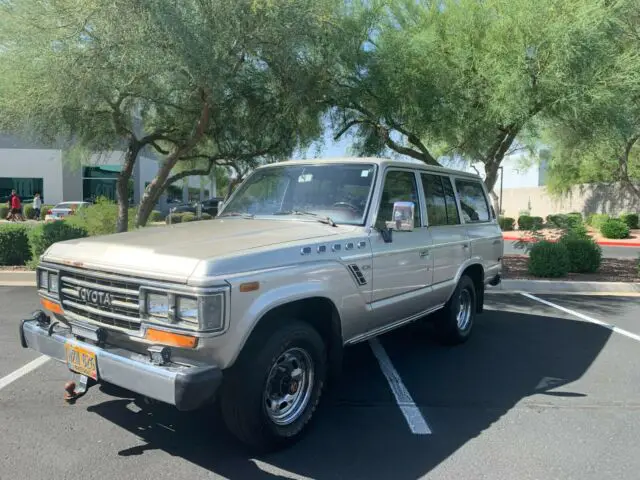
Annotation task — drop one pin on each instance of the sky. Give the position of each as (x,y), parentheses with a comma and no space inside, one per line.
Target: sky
(515,174)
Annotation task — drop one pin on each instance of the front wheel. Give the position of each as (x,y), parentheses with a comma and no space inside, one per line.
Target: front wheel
(455,321)
(270,395)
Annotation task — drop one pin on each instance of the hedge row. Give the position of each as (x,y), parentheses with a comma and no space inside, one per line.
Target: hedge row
(22,244)
(185,217)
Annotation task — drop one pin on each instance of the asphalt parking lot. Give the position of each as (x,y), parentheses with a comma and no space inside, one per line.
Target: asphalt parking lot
(540,391)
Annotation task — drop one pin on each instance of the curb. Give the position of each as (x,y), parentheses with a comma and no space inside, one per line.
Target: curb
(19,278)
(559,287)
(604,243)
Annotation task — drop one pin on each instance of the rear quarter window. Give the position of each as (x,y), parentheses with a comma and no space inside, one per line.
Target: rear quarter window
(474,205)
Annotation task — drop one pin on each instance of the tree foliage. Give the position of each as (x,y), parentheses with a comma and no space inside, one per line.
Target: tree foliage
(599,140)
(462,78)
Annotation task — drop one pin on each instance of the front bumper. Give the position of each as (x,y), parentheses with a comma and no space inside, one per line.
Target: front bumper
(185,387)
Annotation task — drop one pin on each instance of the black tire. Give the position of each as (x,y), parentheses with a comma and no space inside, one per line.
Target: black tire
(242,400)
(449,330)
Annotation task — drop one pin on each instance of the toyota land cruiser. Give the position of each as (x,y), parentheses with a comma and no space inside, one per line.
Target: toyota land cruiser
(254,308)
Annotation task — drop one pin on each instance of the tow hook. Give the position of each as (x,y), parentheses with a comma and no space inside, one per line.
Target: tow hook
(73,391)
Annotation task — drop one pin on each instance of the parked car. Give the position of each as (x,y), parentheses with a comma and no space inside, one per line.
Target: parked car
(209,206)
(254,308)
(64,209)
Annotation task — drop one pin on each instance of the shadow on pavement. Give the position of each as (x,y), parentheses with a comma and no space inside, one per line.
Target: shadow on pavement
(360,434)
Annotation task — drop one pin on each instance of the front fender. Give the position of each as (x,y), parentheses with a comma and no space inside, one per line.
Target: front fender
(330,280)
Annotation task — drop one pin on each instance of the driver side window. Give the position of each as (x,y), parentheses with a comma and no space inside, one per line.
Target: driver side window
(399,186)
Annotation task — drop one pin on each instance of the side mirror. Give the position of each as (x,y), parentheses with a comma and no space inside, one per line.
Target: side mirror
(403,215)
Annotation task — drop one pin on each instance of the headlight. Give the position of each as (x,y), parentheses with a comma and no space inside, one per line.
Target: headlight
(53,282)
(48,281)
(44,280)
(158,305)
(188,310)
(204,312)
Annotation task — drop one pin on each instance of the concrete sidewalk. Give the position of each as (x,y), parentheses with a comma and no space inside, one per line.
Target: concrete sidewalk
(17,278)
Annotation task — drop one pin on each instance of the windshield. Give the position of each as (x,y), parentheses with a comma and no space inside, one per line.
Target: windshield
(339,191)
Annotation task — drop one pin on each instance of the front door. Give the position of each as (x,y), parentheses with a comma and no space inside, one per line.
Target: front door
(402,269)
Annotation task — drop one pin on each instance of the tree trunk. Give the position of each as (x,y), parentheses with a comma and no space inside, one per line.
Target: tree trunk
(154,190)
(122,185)
(158,184)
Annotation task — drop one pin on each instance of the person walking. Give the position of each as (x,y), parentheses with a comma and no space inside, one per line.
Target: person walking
(16,207)
(37,206)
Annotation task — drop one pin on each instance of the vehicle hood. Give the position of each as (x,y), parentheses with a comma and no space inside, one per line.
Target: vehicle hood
(173,252)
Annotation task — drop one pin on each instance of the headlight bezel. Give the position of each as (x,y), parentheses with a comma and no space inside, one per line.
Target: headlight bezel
(211,309)
(45,285)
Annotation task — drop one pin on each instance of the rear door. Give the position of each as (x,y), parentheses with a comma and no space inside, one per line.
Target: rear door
(480,222)
(449,235)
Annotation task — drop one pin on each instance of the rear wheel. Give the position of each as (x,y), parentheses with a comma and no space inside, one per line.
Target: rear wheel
(455,321)
(268,398)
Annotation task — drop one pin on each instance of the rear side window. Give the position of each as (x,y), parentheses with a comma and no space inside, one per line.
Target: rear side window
(440,200)
(474,204)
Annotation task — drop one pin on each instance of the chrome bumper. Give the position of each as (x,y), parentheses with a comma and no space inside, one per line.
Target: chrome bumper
(185,387)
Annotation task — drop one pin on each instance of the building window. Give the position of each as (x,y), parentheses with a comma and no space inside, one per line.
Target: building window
(26,188)
(101,181)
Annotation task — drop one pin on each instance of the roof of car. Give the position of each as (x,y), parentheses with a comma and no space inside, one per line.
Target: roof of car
(380,161)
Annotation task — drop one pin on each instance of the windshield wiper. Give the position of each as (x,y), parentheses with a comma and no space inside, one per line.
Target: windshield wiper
(320,218)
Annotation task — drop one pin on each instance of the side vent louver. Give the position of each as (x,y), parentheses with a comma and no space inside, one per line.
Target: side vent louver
(355,270)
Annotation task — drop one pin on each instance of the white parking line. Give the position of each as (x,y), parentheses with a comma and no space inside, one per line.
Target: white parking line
(411,412)
(582,316)
(29,367)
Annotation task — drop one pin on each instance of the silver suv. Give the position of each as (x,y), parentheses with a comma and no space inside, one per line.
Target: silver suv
(254,308)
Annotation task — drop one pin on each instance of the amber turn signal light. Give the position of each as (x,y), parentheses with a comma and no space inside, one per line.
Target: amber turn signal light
(171,339)
(53,307)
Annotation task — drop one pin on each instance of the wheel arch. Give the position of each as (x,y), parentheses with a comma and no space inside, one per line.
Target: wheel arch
(318,311)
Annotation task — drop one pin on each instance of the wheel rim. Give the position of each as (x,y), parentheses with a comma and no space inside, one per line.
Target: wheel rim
(464,313)
(289,386)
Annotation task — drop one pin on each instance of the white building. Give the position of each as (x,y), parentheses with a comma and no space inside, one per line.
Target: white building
(29,168)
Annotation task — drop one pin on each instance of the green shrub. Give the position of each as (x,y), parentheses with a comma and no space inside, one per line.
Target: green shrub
(206,216)
(4,212)
(97,219)
(507,223)
(188,217)
(29,212)
(173,218)
(44,209)
(526,222)
(557,220)
(585,255)
(156,216)
(631,219)
(548,260)
(597,219)
(43,236)
(14,244)
(614,228)
(574,219)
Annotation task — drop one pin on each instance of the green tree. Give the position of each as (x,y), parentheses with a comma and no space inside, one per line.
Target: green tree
(461,78)
(93,75)
(599,141)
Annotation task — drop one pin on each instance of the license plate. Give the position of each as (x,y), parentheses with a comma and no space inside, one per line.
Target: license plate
(82,361)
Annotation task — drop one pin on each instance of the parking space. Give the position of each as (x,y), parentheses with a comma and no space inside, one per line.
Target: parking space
(536,393)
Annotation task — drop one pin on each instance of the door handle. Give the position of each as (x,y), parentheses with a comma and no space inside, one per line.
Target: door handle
(465,245)
(496,242)
(424,253)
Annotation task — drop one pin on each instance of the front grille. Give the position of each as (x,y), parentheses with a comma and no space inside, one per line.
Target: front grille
(86,296)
